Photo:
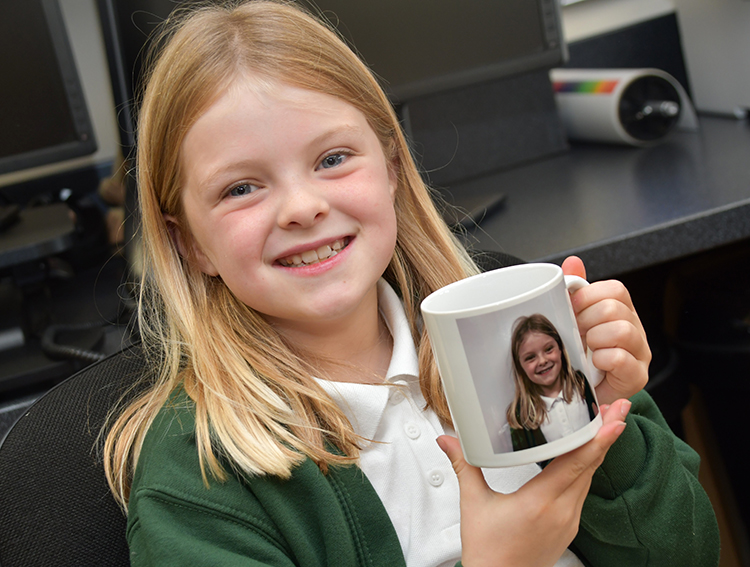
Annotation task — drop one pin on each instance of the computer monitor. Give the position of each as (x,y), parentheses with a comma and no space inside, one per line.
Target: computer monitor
(469,78)
(421,47)
(42,107)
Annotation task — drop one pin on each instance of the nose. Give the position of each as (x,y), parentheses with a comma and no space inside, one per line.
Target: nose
(302,205)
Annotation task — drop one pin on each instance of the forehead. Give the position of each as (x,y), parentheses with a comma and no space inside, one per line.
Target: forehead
(535,339)
(254,97)
(252,119)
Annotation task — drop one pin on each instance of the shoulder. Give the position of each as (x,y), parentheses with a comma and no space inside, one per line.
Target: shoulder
(169,492)
(169,445)
(168,474)
(303,517)
(169,466)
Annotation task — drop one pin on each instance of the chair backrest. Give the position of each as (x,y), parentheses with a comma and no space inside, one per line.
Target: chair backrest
(55,506)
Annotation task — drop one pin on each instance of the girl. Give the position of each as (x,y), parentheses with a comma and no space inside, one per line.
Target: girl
(545,382)
(289,240)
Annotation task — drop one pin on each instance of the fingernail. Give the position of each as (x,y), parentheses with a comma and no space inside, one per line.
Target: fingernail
(441,444)
(625,408)
(620,427)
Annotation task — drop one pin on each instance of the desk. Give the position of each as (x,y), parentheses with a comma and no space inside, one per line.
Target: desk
(622,209)
(40,232)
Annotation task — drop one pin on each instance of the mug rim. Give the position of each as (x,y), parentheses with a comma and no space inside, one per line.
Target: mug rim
(556,275)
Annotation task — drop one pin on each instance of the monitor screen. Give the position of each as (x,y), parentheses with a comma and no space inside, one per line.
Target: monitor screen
(42,109)
(416,47)
(425,46)
(493,53)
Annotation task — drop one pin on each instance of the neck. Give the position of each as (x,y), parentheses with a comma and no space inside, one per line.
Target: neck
(552,391)
(357,348)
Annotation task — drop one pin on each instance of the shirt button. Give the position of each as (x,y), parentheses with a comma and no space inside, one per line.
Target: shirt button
(435,478)
(412,430)
(396,398)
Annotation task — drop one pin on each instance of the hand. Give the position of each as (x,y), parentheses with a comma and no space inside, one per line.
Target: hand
(611,328)
(533,526)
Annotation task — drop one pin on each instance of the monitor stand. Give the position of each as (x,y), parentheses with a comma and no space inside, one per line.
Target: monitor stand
(475,130)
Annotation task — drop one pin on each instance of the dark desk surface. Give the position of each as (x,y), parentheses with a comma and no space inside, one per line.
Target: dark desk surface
(40,232)
(622,208)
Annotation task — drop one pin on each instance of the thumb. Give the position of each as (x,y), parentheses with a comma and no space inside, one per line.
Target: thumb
(471,481)
(573,266)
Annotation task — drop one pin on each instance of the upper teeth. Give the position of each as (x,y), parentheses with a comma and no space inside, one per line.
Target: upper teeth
(312,256)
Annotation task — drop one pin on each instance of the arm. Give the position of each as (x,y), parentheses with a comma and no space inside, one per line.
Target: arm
(167,530)
(536,524)
(646,506)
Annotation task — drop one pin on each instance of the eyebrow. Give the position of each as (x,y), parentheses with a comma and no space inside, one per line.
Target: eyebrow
(322,138)
(344,129)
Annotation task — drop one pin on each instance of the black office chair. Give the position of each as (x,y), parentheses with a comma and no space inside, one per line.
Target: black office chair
(55,506)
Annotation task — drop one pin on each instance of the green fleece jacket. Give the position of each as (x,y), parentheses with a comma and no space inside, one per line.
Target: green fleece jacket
(645,507)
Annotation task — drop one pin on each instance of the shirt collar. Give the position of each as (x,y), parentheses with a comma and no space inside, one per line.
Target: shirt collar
(404,361)
(364,404)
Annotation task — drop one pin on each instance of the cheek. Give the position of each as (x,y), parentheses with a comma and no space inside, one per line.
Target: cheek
(230,242)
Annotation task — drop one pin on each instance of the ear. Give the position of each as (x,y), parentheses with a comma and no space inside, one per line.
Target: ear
(188,248)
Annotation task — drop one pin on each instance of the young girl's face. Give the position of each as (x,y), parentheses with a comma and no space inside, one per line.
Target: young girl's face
(289,199)
(541,359)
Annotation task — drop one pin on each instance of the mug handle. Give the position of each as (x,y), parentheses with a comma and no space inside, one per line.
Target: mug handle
(573,284)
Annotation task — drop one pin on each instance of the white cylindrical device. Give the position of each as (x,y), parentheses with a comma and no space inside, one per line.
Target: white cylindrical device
(623,106)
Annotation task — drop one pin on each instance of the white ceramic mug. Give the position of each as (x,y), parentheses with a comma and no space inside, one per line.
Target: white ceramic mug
(494,400)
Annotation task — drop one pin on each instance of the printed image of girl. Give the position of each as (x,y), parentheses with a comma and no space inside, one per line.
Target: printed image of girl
(297,417)
(552,399)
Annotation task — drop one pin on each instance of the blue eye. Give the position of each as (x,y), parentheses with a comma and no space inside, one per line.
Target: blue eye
(332,160)
(242,189)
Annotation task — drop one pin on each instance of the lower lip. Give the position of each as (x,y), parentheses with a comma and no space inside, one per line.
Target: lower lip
(319,267)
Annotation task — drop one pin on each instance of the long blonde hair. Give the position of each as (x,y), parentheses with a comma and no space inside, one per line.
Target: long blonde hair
(255,400)
(528,411)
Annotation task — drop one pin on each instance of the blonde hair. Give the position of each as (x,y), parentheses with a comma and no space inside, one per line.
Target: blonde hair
(527,411)
(256,402)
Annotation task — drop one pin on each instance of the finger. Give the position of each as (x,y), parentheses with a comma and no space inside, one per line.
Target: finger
(616,411)
(623,378)
(607,309)
(573,266)
(471,481)
(600,291)
(566,470)
(619,336)
(615,325)
(573,470)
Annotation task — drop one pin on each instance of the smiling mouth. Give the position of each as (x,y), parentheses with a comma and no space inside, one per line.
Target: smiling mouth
(316,255)
(545,371)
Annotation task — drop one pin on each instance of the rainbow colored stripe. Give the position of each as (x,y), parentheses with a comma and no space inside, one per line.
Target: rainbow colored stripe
(585,87)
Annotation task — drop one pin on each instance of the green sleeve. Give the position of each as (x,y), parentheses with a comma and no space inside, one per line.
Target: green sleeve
(172,531)
(646,506)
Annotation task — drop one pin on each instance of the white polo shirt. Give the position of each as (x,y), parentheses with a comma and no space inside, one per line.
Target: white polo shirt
(563,418)
(410,473)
